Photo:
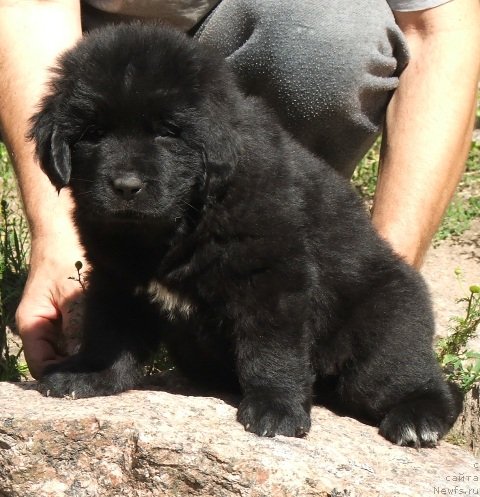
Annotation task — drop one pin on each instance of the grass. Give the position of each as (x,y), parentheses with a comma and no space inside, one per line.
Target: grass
(13,269)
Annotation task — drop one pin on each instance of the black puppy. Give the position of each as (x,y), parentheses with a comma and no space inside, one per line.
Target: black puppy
(209,229)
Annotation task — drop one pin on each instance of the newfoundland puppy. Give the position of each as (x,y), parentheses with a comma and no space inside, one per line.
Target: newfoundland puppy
(210,230)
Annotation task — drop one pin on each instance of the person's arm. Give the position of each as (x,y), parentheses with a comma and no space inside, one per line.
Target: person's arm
(33,33)
(428,126)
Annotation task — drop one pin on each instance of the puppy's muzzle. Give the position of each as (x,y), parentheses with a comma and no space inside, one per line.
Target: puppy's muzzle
(128,186)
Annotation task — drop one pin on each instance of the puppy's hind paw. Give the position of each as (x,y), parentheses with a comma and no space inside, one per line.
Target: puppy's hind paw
(268,416)
(406,426)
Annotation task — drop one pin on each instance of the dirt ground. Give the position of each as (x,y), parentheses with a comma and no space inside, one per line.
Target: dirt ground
(445,286)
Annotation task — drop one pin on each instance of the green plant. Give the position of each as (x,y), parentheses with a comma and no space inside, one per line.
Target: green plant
(461,364)
(364,177)
(458,217)
(13,269)
(473,162)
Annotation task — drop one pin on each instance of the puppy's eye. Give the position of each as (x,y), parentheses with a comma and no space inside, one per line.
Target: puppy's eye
(165,129)
(92,133)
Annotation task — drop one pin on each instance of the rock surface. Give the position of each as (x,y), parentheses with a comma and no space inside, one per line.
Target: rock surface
(152,443)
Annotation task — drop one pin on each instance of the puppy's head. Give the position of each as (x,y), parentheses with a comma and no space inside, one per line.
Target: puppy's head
(139,122)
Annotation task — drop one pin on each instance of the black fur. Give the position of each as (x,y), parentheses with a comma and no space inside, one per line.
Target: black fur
(209,229)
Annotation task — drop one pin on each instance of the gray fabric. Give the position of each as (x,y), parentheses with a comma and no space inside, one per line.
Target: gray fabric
(413,5)
(184,14)
(327,68)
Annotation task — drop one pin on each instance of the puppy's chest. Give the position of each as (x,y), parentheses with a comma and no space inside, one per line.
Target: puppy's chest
(173,303)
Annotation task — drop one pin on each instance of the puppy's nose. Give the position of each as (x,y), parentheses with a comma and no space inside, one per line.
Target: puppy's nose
(127,186)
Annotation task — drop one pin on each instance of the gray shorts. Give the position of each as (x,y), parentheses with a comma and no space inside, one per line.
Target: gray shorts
(328,68)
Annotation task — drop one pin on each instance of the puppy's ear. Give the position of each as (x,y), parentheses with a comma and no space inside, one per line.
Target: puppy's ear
(221,153)
(51,147)
(222,148)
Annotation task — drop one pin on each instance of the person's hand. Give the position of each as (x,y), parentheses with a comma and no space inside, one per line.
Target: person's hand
(49,315)
(34,34)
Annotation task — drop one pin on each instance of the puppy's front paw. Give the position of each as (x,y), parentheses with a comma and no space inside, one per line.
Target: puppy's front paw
(73,379)
(270,415)
(65,384)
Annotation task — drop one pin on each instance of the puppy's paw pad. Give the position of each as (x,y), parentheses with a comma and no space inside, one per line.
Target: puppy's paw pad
(268,417)
(412,430)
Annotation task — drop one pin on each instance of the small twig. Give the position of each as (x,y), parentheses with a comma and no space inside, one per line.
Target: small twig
(79,278)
